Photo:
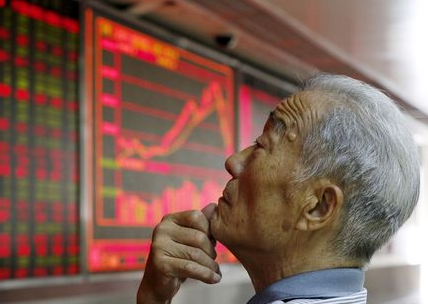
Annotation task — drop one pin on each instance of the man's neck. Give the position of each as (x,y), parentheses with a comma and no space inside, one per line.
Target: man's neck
(266,269)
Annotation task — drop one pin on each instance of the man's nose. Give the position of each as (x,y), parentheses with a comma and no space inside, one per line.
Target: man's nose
(236,163)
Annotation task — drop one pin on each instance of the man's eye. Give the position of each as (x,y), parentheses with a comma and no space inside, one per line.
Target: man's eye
(257,144)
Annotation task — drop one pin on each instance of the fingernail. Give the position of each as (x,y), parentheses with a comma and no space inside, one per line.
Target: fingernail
(217,277)
(208,210)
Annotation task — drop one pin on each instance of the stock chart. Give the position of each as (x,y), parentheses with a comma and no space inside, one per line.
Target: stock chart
(38,139)
(163,124)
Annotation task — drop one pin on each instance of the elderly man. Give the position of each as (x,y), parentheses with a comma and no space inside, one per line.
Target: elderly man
(333,176)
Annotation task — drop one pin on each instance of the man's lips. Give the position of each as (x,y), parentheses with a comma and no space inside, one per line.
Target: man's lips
(226,196)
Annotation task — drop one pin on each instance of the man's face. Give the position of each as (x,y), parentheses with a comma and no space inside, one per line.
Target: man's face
(259,205)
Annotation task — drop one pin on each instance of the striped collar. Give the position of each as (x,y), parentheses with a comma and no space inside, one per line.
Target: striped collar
(320,284)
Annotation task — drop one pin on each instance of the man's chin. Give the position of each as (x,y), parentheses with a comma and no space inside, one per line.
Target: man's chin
(216,227)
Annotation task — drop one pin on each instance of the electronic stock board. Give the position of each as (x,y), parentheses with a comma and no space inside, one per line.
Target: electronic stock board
(38,139)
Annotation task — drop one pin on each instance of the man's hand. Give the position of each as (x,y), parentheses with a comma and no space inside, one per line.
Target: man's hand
(181,248)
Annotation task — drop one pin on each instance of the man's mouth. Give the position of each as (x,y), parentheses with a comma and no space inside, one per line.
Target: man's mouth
(226,196)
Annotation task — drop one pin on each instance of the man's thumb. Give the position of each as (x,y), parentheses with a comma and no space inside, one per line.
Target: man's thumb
(208,210)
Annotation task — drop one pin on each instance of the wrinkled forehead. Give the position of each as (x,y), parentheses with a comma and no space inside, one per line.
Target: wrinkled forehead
(301,110)
(292,109)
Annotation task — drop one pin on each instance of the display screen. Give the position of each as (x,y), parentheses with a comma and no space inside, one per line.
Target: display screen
(257,98)
(38,139)
(162,129)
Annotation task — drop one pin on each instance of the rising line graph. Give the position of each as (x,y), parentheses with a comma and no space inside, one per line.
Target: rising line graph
(192,114)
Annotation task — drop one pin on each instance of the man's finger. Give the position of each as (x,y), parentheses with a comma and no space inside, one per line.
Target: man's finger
(193,219)
(194,238)
(188,269)
(209,210)
(192,254)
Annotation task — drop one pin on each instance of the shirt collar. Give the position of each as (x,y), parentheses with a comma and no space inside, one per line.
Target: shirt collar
(326,283)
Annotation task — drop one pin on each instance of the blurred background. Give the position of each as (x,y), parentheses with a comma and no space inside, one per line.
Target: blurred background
(114,113)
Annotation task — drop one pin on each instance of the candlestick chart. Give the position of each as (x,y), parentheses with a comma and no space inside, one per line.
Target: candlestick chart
(163,126)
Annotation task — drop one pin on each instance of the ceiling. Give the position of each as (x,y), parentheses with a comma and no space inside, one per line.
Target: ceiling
(384,42)
(386,39)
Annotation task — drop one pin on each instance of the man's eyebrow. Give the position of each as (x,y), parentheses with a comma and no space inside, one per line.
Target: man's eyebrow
(279,125)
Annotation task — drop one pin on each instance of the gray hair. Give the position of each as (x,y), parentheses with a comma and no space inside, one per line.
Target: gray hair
(363,144)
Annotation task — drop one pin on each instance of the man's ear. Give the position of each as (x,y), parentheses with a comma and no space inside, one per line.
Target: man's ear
(320,208)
